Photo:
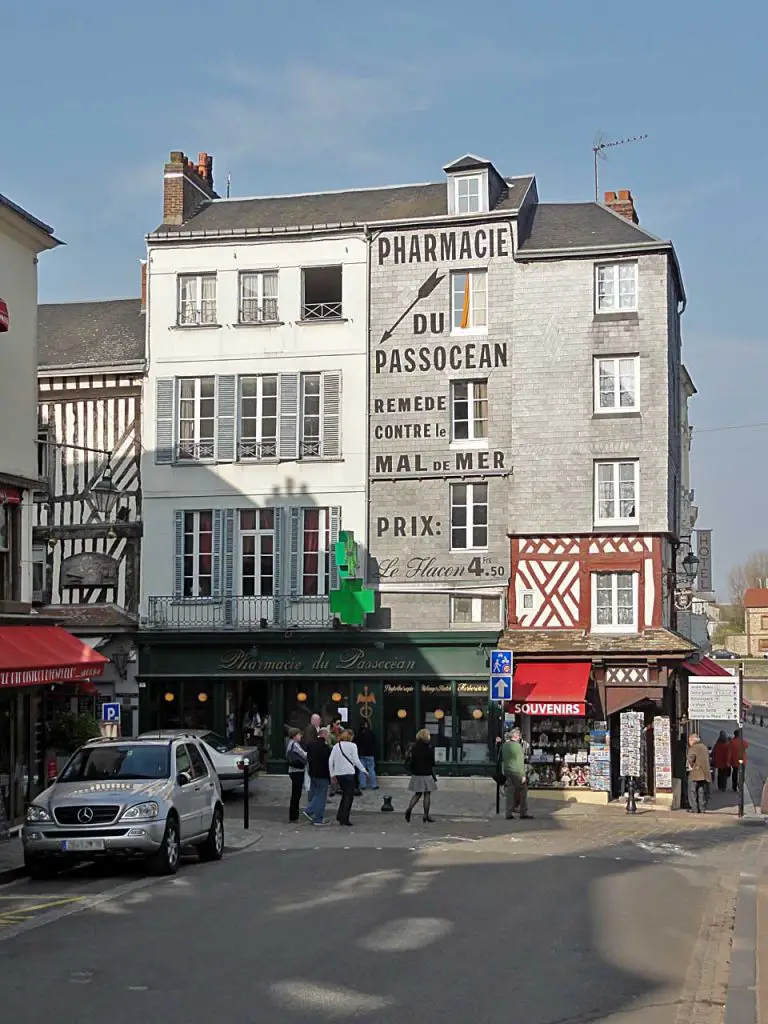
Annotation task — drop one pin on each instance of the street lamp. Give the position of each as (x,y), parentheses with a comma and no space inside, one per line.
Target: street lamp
(104,493)
(690,566)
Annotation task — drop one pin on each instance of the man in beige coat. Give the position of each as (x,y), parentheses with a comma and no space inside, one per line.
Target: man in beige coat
(699,775)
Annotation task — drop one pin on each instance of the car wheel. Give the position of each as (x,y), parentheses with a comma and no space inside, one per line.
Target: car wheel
(40,869)
(166,860)
(213,847)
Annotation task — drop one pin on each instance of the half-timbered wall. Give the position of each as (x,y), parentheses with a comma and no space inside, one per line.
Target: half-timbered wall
(97,411)
(550,583)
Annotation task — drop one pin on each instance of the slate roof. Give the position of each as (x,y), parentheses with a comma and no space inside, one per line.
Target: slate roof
(322,209)
(580,641)
(577,226)
(25,215)
(93,617)
(75,334)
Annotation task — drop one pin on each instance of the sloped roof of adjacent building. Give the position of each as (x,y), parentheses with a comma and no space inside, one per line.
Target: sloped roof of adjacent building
(755,597)
(333,209)
(580,641)
(558,226)
(28,217)
(83,334)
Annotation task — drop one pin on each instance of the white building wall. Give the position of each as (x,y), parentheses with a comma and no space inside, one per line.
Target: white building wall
(229,348)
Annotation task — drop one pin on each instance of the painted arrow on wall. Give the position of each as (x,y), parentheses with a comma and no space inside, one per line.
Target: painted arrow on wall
(426,289)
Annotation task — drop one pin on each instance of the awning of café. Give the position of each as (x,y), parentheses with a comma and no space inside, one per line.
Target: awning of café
(39,655)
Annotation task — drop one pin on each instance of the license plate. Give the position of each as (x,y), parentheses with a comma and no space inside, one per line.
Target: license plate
(82,845)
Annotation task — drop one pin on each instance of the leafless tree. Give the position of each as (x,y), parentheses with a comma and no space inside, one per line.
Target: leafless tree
(753,573)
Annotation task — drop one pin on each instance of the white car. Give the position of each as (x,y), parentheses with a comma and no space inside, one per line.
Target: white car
(226,757)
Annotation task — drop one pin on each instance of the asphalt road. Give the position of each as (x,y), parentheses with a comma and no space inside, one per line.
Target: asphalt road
(484,929)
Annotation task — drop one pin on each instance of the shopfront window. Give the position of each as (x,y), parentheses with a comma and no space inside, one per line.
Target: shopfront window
(559,752)
(197,706)
(437,714)
(333,701)
(169,712)
(399,720)
(473,739)
(299,701)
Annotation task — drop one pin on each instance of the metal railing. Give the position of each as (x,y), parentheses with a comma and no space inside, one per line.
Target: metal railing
(194,451)
(254,312)
(239,613)
(257,449)
(190,314)
(321,311)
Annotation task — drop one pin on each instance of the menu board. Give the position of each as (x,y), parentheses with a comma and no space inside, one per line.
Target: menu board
(662,754)
(630,737)
(600,758)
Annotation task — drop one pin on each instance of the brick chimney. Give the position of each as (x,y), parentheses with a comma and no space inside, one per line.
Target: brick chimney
(143,285)
(623,204)
(186,185)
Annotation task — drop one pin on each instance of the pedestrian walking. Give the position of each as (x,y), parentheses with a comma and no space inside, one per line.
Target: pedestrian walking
(699,776)
(721,760)
(735,746)
(421,764)
(311,731)
(366,747)
(343,766)
(513,766)
(318,758)
(296,756)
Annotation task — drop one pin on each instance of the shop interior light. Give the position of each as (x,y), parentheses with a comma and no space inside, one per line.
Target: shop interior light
(336,697)
(402,713)
(301,697)
(439,714)
(169,696)
(477,714)
(202,697)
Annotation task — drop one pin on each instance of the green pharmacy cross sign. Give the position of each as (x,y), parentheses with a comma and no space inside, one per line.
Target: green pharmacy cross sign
(352,601)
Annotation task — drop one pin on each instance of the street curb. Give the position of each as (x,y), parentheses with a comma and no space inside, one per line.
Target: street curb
(12,875)
(741,1001)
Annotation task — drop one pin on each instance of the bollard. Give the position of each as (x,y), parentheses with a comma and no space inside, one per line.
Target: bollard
(631,804)
(244,764)
(753,718)
(761,721)
(387,805)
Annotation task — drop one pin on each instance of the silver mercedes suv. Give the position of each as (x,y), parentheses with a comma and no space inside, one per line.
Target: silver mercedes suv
(127,798)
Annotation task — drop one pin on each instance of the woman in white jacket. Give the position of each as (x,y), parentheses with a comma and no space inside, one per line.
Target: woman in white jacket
(345,762)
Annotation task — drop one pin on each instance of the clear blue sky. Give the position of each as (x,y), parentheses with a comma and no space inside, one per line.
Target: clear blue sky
(303,96)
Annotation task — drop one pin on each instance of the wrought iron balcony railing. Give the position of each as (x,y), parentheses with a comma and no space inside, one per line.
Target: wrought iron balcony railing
(238,613)
(321,311)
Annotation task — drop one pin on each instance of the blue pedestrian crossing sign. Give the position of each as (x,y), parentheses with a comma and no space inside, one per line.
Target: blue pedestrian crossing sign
(501,688)
(501,663)
(110,712)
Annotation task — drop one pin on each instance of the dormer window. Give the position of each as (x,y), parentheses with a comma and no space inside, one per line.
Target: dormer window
(468,193)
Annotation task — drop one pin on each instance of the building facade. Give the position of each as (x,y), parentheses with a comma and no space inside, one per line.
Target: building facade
(255,446)
(35,654)
(86,566)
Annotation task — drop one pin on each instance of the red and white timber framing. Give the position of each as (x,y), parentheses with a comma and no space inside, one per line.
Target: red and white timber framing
(550,580)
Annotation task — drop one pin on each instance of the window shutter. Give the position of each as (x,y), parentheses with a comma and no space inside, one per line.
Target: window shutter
(335,513)
(164,414)
(288,446)
(331,443)
(295,542)
(217,549)
(178,555)
(226,391)
(277,576)
(229,551)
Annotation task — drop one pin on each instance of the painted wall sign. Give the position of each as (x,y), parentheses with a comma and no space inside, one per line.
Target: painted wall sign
(430,568)
(445,246)
(459,462)
(351,659)
(471,355)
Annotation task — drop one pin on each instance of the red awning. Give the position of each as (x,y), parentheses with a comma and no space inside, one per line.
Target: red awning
(550,688)
(9,495)
(36,655)
(5,320)
(706,667)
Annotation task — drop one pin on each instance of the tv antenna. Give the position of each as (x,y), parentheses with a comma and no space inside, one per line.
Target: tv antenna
(597,149)
(229,184)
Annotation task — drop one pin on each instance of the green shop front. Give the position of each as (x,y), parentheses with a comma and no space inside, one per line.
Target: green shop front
(399,682)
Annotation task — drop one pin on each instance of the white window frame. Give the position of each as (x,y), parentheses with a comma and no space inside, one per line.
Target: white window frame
(196,555)
(476,610)
(324,545)
(257,448)
(473,328)
(617,520)
(524,596)
(202,316)
(257,533)
(474,396)
(196,441)
(614,269)
(616,408)
(39,558)
(469,506)
(614,626)
(304,443)
(467,179)
(261,310)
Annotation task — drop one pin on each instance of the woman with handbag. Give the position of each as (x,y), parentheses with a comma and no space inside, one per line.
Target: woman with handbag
(296,756)
(344,764)
(421,765)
